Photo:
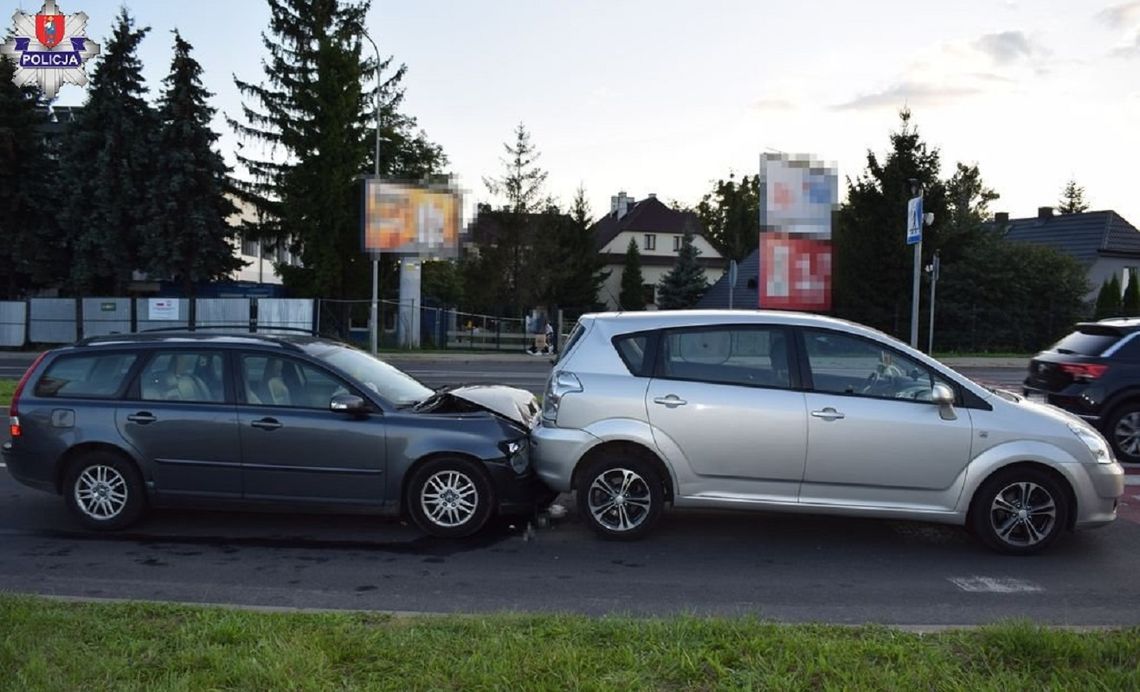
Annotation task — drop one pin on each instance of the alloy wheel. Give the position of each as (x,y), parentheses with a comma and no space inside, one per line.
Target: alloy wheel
(101,492)
(449,498)
(619,499)
(1127,434)
(1023,514)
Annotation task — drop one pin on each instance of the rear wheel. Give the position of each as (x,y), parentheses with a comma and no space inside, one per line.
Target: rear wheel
(620,497)
(1020,511)
(104,491)
(1123,433)
(450,498)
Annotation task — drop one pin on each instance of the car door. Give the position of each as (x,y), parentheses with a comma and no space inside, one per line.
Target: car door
(723,401)
(293,447)
(874,437)
(179,414)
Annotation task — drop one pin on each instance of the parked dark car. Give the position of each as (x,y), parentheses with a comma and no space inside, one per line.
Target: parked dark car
(121,423)
(1094,372)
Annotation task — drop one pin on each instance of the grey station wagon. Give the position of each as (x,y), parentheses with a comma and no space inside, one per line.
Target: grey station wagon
(119,423)
(792,412)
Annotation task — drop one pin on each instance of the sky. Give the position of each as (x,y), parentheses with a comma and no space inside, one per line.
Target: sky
(667,96)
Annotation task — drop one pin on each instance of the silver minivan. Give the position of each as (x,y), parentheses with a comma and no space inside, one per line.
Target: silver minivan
(781,411)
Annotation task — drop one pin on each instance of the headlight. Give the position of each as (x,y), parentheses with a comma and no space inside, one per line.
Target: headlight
(560,384)
(518,455)
(1093,441)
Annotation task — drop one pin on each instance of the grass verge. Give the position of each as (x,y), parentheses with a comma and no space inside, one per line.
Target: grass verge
(7,387)
(46,644)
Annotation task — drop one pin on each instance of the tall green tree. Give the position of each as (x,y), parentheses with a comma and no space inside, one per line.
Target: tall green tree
(189,237)
(872,263)
(632,295)
(521,188)
(685,283)
(968,201)
(1072,199)
(1130,304)
(30,255)
(108,167)
(313,112)
(1108,303)
(731,216)
(575,268)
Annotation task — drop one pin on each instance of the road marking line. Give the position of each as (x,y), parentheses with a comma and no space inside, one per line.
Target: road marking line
(994,585)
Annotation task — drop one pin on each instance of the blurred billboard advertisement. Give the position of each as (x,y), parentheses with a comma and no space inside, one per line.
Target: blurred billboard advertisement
(409,219)
(798,196)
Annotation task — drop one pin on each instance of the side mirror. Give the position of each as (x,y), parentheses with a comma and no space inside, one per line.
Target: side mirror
(348,403)
(943,397)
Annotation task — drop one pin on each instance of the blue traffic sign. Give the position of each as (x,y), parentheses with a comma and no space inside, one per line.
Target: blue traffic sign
(914,221)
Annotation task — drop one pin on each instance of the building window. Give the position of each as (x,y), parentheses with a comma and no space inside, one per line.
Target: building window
(649,294)
(249,247)
(676,243)
(650,241)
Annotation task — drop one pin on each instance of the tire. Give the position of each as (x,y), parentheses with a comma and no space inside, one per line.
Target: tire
(450,498)
(996,511)
(620,497)
(104,491)
(1123,433)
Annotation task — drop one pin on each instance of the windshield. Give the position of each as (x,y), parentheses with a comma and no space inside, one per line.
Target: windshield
(389,382)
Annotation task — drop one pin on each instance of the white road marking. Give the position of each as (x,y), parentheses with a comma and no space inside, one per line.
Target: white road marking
(994,585)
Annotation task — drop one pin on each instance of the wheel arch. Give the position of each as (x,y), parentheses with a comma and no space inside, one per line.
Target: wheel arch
(68,458)
(626,447)
(415,466)
(1060,478)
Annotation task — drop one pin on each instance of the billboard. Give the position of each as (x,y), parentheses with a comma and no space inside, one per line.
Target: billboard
(798,196)
(409,220)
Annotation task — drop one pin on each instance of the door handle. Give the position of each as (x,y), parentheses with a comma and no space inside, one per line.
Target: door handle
(671,401)
(142,417)
(266,424)
(828,414)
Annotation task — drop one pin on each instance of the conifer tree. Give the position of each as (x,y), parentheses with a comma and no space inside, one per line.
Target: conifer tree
(632,296)
(685,283)
(189,237)
(1072,199)
(1130,306)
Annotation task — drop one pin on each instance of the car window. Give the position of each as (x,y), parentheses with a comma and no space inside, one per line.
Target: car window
(86,376)
(634,349)
(388,381)
(727,355)
(848,364)
(276,381)
(1091,342)
(183,376)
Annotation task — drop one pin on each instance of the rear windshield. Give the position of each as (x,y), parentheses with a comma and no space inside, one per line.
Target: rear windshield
(575,337)
(1086,343)
(87,376)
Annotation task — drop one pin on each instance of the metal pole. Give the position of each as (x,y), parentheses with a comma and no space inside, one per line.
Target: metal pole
(914,295)
(933,288)
(373,317)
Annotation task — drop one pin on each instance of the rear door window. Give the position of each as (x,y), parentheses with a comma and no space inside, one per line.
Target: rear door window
(184,376)
(89,376)
(1090,342)
(740,355)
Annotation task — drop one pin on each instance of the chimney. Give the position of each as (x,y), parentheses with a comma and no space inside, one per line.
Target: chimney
(652,195)
(621,204)
(1001,217)
(1044,212)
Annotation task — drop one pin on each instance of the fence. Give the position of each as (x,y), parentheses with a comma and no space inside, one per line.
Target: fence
(438,327)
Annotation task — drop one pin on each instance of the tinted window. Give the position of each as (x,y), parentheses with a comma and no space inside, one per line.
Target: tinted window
(274,381)
(728,355)
(634,349)
(1129,350)
(183,376)
(88,376)
(1086,343)
(846,364)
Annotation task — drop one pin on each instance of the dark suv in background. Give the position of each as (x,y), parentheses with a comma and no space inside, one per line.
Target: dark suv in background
(116,424)
(1094,372)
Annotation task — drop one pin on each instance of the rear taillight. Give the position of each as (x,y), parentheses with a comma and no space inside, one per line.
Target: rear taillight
(14,407)
(1084,371)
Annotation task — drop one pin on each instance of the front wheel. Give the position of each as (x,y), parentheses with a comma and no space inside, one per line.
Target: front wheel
(104,491)
(450,498)
(1019,511)
(620,497)
(1123,433)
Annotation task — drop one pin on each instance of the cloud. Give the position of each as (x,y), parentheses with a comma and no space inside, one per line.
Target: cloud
(992,78)
(1121,16)
(1007,47)
(1128,50)
(773,105)
(907,93)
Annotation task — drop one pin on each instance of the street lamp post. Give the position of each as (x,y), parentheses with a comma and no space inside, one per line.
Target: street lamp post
(373,319)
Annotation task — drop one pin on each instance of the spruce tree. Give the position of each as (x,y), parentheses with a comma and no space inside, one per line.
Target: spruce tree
(685,283)
(313,111)
(1102,309)
(1130,306)
(108,168)
(1072,199)
(632,296)
(188,237)
(29,255)
(1108,299)
(576,268)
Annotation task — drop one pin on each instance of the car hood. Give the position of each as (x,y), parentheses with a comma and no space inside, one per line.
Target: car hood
(512,403)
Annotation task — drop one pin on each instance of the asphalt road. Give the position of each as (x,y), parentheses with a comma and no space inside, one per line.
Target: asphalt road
(787,568)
